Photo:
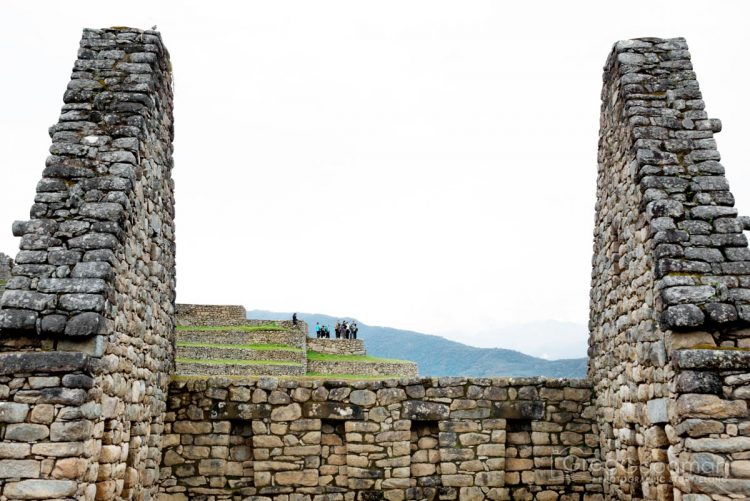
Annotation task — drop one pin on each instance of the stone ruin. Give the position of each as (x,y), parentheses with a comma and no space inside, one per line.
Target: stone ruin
(88,408)
(216,340)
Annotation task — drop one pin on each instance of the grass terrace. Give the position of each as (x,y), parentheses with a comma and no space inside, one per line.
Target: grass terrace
(256,347)
(231,328)
(232,361)
(328,357)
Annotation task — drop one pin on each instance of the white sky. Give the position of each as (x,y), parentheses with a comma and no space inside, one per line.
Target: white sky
(426,165)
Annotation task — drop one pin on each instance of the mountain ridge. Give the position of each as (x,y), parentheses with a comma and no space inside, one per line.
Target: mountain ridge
(438,356)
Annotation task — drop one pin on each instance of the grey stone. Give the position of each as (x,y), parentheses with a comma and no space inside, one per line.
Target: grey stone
(657,410)
(105,211)
(11,412)
(40,489)
(24,432)
(699,382)
(687,294)
(362,397)
(92,269)
(85,324)
(41,362)
(15,468)
(71,431)
(418,410)
(27,300)
(682,316)
(53,324)
(92,241)
(82,302)
(73,285)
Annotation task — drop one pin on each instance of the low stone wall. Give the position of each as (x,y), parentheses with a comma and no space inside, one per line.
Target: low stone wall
(337,346)
(201,352)
(291,338)
(709,443)
(279,369)
(207,314)
(406,369)
(452,438)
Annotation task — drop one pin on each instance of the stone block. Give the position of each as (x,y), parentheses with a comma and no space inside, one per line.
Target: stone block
(518,409)
(709,406)
(657,410)
(12,412)
(286,413)
(23,432)
(418,410)
(19,468)
(332,410)
(40,489)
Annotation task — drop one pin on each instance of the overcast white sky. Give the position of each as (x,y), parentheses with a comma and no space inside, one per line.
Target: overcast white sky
(426,165)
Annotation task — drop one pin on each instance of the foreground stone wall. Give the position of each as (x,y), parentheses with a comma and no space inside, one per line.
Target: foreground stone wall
(455,438)
(670,271)
(87,320)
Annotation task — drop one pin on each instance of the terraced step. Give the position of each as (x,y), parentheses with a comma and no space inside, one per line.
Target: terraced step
(241,334)
(274,352)
(324,363)
(232,367)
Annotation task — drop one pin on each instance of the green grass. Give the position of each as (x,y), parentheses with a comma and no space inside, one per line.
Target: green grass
(256,347)
(232,361)
(231,328)
(357,377)
(327,357)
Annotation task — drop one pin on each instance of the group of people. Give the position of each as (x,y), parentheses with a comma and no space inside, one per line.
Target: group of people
(343,330)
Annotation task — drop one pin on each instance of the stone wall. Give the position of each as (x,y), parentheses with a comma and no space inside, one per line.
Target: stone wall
(87,320)
(337,346)
(208,314)
(670,270)
(362,368)
(455,438)
(6,263)
(290,338)
(710,426)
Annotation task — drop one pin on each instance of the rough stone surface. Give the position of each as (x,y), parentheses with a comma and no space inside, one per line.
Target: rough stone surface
(87,320)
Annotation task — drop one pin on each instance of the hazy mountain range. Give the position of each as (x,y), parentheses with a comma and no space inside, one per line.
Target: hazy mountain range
(437,356)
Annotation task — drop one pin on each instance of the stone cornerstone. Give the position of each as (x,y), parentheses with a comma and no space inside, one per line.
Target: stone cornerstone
(89,408)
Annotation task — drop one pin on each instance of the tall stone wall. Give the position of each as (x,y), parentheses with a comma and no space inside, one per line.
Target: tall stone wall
(448,438)
(671,271)
(87,320)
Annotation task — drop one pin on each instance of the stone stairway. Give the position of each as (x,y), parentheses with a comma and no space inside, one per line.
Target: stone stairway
(251,348)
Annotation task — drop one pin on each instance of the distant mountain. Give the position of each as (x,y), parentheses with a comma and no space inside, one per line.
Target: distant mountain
(438,356)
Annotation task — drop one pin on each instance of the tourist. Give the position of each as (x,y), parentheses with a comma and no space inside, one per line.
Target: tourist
(354,328)
(317,330)
(338,330)
(294,319)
